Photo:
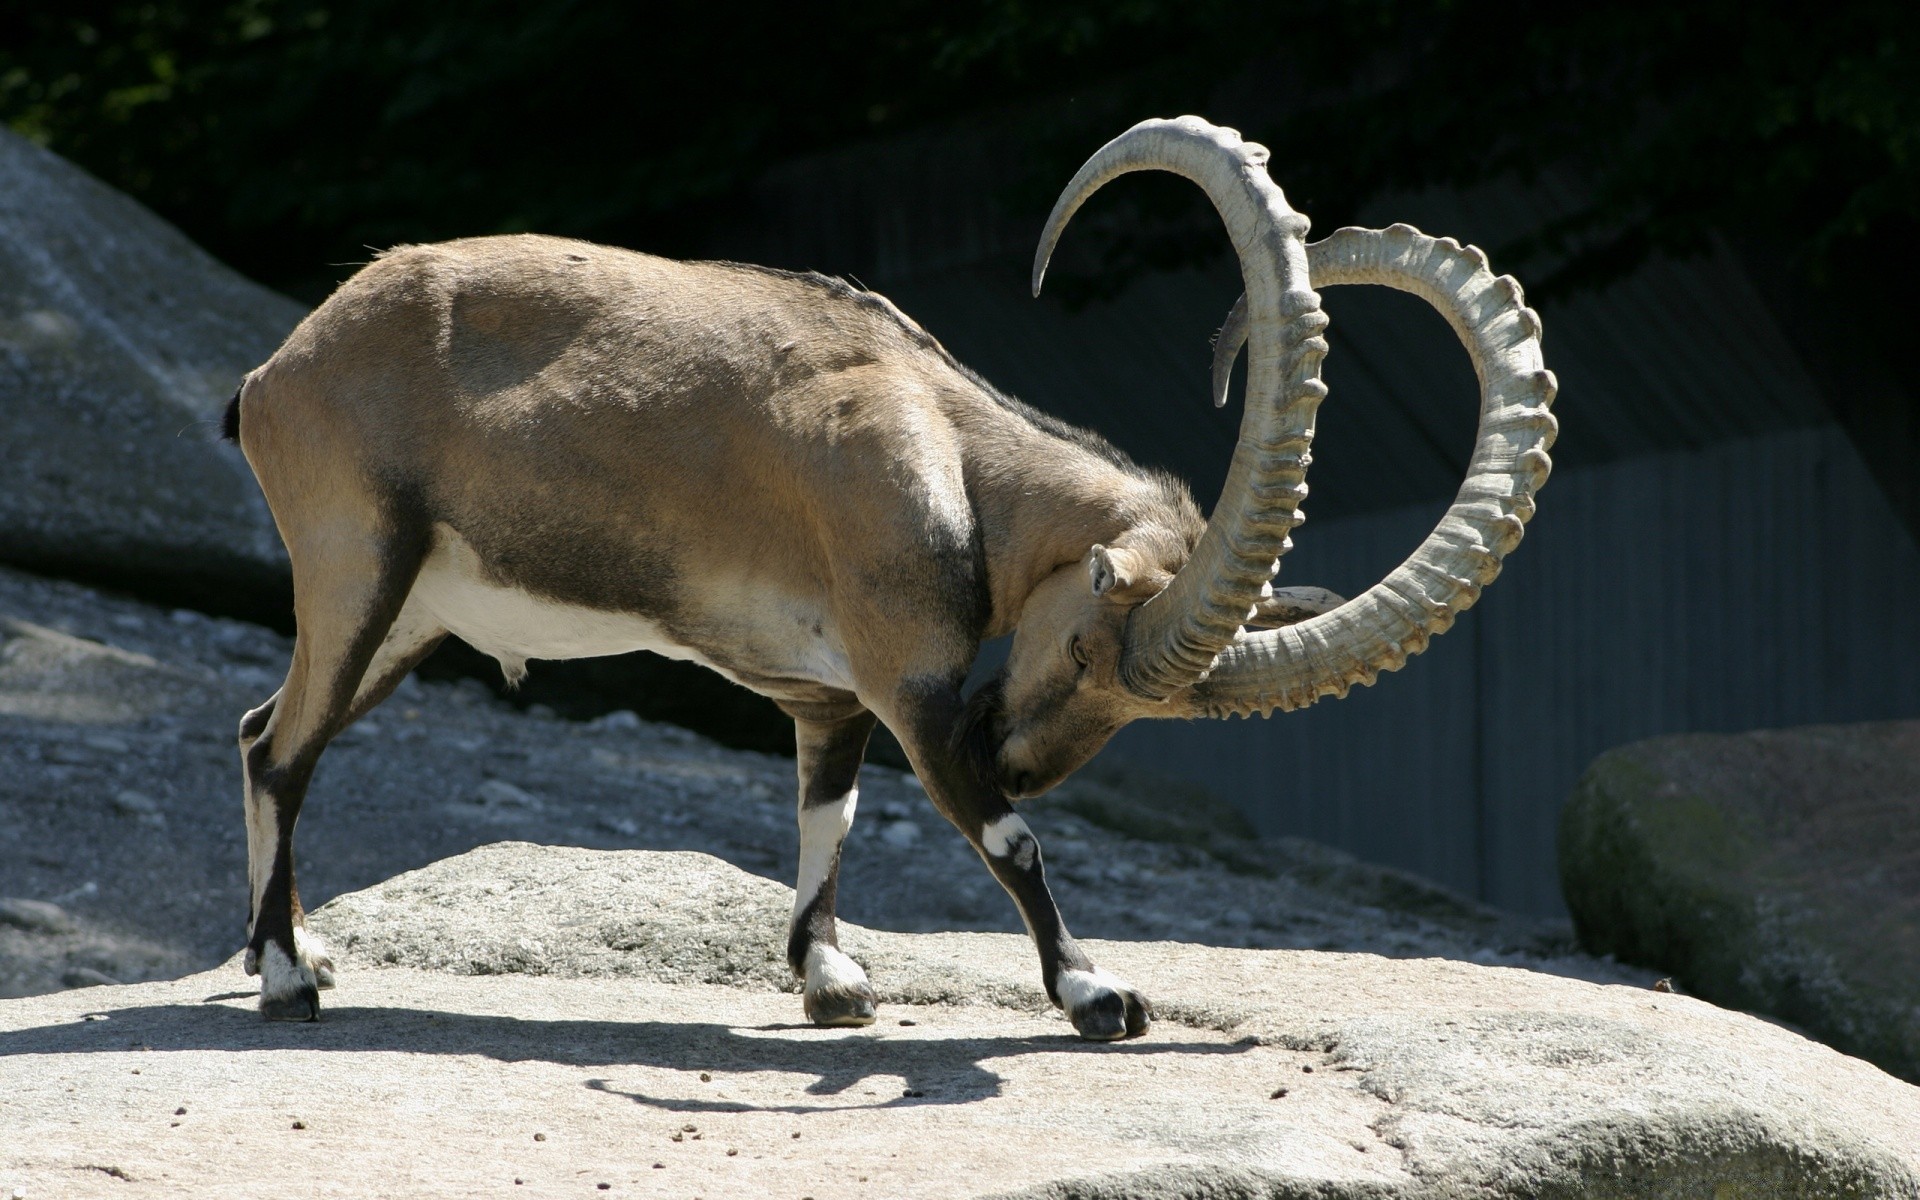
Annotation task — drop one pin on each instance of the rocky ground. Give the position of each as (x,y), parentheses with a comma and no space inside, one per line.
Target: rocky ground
(549,1021)
(125,860)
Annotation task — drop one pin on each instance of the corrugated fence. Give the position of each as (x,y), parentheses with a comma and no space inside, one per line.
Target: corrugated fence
(1757,583)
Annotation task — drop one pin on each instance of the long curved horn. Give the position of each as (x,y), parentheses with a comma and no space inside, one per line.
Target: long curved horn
(1377,631)
(1174,638)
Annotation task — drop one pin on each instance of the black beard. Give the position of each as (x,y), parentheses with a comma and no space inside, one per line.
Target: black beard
(975,739)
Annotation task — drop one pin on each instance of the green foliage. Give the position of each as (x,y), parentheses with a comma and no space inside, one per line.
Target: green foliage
(288,134)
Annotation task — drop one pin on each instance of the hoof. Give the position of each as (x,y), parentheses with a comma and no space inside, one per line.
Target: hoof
(250,962)
(837,991)
(289,989)
(303,1004)
(841,1006)
(1103,1007)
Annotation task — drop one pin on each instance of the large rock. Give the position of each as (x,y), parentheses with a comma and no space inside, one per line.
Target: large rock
(120,341)
(580,1019)
(1776,871)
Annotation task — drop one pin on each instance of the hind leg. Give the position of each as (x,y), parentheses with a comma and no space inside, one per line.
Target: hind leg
(349,601)
(412,637)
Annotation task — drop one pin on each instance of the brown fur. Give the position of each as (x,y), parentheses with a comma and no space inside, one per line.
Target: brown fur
(768,468)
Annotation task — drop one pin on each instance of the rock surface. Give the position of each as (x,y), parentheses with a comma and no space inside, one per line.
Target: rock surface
(478,1039)
(1776,871)
(120,801)
(120,342)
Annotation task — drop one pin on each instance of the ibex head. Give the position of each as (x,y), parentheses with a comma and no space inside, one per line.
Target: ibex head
(1168,626)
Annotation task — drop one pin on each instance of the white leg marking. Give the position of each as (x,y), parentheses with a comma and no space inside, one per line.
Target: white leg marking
(1010,835)
(312,951)
(822,828)
(411,629)
(827,968)
(1080,988)
(280,977)
(263,838)
(308,945)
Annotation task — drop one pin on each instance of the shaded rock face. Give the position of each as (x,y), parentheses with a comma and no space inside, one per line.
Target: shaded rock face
(572,1021)
(120,342)
(1776,871)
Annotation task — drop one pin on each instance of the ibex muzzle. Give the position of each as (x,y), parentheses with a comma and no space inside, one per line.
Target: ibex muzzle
(555,450)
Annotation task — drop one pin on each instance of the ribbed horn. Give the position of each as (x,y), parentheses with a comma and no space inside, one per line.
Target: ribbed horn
(1379,630)
(1174,638)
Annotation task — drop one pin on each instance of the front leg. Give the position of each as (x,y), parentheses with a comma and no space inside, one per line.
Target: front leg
(1101,1006)
(829,753)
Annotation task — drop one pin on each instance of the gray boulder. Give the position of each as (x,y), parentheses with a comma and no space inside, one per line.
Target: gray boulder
(120,342)
(1776,871)
(577,1021)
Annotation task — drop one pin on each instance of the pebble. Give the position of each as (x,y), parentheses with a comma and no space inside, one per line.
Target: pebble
(136,803)
(89,888)
(498,793)
(37,916)
(900,834)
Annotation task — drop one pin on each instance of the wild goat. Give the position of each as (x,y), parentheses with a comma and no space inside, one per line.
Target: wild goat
(556,450)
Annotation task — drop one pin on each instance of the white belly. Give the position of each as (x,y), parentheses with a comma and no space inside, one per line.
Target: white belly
(513,625)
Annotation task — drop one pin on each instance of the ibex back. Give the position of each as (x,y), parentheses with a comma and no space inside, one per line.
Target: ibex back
(555,450)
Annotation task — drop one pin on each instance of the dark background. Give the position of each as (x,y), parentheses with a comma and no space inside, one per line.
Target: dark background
(288,136)
(292,137)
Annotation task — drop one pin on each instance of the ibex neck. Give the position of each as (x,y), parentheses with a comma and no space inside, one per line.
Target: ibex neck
(1042,502)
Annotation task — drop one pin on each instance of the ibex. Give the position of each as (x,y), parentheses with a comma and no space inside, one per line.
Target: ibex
(555,450)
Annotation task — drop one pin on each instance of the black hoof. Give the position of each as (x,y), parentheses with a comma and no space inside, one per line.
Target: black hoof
(302,1005)
(1111,1016)
(840,1006)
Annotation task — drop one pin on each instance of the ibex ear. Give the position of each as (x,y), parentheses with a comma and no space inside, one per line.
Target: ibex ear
(1115,568)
